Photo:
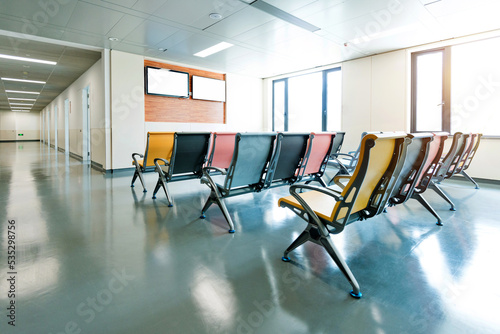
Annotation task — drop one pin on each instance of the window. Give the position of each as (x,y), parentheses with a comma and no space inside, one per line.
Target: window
(457,88)
(310,102)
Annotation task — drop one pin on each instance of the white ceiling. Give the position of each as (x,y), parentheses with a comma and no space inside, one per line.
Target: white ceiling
(264,45)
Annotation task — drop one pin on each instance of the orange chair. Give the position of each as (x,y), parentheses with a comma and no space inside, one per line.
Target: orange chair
(158,145)
(366,194)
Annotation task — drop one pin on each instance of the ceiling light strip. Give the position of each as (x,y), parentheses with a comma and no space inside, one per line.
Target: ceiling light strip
(21,104)
(20,92)
(24,80)
(213,49)
(32,60)
(281,14)
(21,99)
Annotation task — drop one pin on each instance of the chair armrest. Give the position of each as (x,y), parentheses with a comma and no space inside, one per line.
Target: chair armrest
(206,170)
(324,190)
(345,154)
(207,179)
(338,178)
(158,167)
(134,157)
(312,215)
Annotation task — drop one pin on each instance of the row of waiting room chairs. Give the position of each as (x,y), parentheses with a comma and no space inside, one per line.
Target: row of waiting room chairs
(249,162)
(390,169)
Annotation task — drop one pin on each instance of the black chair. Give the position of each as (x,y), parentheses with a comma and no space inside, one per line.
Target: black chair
(189,153)
(289,159)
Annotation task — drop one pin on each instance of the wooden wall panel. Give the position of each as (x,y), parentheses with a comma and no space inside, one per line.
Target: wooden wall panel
(172,109)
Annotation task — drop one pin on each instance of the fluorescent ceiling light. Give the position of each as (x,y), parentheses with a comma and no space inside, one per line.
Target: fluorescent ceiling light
(21,108)
(20,92)
(24,80)
(20,98)
(33,60)
(281,14)
(213,49)
(21,104)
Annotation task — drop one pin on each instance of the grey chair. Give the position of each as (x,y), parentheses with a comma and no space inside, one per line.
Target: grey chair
(246,173)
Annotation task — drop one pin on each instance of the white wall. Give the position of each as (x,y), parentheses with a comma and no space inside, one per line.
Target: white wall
(14,123)
(93,78)
(127,108)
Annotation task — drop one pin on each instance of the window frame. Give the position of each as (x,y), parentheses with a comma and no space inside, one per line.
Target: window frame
(324,101)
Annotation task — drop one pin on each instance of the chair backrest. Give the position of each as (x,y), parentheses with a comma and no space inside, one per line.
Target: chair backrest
(288,157)
(252,154)
(352,163)
(379,165)
(319,148)
(462,152)
(189,153)
(337,143)
(159,145)
(432,160)
(472,153)
(413,167)
(222,149)
(447,162)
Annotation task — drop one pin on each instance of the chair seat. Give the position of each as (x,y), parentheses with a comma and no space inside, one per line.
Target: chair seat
(141,162)
(320,203)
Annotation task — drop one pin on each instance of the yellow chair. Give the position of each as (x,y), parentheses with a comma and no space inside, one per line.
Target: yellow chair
(366,193)
(159,145)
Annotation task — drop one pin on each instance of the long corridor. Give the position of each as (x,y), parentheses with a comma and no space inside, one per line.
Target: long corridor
(93,255)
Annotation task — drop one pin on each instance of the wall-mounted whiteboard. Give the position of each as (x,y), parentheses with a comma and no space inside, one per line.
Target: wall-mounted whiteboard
(162,81)
(209,89)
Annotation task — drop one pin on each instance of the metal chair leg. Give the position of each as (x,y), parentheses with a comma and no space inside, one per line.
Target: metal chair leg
(429,208)
(301,239)
(440,192)
(332,250)
(469,178)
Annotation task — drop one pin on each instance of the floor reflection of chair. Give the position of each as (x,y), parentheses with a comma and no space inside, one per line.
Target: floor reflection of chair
(365,195)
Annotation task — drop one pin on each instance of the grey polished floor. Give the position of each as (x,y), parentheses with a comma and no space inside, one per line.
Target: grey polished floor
(94,255)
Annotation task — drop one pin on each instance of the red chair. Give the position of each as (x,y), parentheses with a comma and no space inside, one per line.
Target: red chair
(222,148)
(319,148)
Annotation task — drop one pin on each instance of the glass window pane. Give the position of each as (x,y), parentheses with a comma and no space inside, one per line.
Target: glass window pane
(334,100)
(429,92)
(475,89)
(279,106)
(305,100)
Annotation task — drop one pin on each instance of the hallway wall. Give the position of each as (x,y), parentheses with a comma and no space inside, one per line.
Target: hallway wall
(12,124)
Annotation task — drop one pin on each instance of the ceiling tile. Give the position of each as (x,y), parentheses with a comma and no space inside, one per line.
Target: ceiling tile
(90,18)
(125,26)
(149,33)
(40,13)
(241,22)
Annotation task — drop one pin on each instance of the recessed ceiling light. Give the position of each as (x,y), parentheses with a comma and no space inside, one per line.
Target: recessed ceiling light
(215,16)
(113,39)
(20,92)
(162,49)
(24,80)
(33,60)
(21,108)
(213,49)
(21,99)
(21,104)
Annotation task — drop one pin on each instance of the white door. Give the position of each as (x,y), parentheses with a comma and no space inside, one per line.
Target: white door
(66,126)
(86,124)
(55,128)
